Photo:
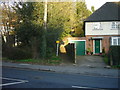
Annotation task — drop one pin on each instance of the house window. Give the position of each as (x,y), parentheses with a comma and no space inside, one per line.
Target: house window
(97,26)
(115,41)
(115,25)
(118,41)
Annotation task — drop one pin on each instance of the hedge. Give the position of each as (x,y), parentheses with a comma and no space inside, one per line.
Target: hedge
(114,55)
(14,53)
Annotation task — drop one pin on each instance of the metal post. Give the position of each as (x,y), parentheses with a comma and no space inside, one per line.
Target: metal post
(57,49)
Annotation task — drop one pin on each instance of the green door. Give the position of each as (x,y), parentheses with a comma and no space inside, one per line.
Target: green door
(97,46)
(80,47)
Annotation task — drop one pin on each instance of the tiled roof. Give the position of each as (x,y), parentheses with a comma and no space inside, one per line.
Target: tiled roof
(110,11)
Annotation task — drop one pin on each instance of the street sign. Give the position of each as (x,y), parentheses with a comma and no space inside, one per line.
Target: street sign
(57,51)
(57,41)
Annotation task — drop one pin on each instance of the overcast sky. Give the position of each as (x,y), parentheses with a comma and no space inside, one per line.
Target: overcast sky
(97,3)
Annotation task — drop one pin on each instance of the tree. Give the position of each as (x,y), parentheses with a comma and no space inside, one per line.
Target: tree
(92,9)
(8,23)
(29,31)
(24,28)
(62,18)
(81,14)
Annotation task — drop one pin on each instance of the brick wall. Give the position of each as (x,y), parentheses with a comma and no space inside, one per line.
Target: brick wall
(89,42)
(105,41)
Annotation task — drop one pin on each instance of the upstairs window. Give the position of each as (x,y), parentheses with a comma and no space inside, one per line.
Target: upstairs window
(115,25)
(97,26)
(115,41)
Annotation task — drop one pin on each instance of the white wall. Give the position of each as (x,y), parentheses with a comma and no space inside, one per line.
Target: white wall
(105,29)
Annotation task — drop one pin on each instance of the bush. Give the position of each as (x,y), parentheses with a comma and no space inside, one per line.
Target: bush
(105,58)
(50,52)
(16,53)
(114,57)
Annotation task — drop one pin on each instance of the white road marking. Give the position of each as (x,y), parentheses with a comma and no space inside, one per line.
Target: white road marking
(11,83)
(18,81)
(14,79)
(83,87)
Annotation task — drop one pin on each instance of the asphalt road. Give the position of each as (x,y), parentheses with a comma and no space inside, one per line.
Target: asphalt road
(23,78)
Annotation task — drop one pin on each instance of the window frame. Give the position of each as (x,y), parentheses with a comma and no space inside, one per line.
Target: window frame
(117,41)
(97,26)
(115,25)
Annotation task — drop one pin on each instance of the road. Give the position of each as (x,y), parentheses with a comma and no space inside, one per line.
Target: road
(25,78)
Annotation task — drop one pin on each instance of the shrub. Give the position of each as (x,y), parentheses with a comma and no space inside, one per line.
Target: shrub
(14,53)
(103,50)
(114,56)
(50,52)
(105,58)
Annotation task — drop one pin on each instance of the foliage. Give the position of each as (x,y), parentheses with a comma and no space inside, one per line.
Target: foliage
(89,49)
(62,18)
(7,22)
(114,56)
(81,14)
(92,8)
(106,60)
(16,53)
(55,60)
(116,66)
(103,50)
(27,28)
(29,32)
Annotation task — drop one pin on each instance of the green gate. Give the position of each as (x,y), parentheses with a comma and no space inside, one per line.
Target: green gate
(80,47)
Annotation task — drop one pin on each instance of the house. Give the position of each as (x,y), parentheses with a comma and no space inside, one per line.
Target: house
(102,29)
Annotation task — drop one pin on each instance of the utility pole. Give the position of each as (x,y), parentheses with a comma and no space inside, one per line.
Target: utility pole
(44,43)
(45,15)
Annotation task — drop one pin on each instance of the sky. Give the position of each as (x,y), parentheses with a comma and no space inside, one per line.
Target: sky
(97,3)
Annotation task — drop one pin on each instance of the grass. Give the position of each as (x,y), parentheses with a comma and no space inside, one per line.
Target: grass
(105,59)
(54,60)
(116,66)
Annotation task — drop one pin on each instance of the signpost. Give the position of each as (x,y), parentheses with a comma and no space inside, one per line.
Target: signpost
(57,42)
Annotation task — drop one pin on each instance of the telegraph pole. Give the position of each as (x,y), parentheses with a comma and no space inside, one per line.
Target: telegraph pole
(44,43)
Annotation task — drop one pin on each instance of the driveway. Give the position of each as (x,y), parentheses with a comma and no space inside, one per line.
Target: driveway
(90,61)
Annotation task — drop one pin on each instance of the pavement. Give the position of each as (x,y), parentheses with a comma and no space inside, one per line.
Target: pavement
(86,65)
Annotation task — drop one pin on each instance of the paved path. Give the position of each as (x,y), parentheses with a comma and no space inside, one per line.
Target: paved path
(90,65)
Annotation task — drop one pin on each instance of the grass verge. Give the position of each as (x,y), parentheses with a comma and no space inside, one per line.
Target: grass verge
(54,60)
(106,60)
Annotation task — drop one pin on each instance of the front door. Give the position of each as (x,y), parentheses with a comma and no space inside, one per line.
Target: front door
(97,46)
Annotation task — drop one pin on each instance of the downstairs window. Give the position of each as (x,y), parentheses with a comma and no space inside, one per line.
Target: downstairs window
(115,41)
